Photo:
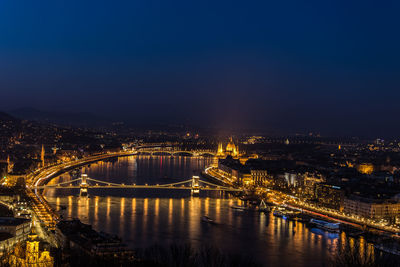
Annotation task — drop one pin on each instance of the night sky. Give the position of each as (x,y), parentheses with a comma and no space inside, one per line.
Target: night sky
(287,66)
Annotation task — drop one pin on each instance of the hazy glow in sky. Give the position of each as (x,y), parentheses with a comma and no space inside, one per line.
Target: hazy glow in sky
(328,66)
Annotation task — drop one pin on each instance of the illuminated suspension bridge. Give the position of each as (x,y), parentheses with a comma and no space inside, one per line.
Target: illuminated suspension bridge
(173,151)
(84,183)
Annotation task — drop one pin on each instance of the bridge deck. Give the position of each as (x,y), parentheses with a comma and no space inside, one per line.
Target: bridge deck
(139,187)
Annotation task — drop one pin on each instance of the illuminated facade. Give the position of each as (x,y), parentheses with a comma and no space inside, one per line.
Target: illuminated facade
(365,168)
(18,230)
(33,257)
(330,196)
(230,150)
(42,156)
(220,152)
(310,183)
(371,209)
(10,165)
(259,177)
(287,142)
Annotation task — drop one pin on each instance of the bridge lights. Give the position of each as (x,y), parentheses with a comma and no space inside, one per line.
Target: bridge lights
(195,185)
(195,191)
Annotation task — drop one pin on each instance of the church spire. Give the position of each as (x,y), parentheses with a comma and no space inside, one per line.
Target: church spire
(42,155)
(9,165)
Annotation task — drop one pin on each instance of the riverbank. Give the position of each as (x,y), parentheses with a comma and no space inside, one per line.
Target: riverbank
(373,229)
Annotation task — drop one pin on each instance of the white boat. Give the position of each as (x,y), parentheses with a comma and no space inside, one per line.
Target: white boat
(328,226)
(235,207)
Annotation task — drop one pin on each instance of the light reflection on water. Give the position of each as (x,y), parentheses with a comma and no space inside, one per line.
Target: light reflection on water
(142,219)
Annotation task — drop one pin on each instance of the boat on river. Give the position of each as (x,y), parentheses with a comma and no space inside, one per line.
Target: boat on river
(328,226)
(262,207)
(237,207)
(286,214)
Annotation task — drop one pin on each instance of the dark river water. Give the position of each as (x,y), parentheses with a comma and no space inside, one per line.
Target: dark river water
(146,217)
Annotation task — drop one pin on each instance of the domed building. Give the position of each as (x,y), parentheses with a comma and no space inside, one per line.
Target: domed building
(230,150)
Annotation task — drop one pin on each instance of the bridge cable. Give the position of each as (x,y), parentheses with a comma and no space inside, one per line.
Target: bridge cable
(220,186)
(55,185)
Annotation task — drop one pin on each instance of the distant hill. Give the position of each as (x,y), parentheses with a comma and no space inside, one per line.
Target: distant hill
(77,119)
(6,117)
(8,127)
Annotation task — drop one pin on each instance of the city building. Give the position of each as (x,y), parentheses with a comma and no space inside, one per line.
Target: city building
(259,176)
(42,156)
(10,165)
(31,256)
(73,234)
(330,196)
(259,171)
(12,231)
(370,208)
(310,185)
(292,179)
(234,171)
(230,150)
(365,168)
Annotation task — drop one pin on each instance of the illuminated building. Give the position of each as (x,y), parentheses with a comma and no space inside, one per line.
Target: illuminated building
(220,152)
(32,256)
(287,141)
(371,208)
(309,186)
(42,155)
(233,170)
(230,150)
(291,179)
(330,196)
(259,176)
(10,165)
(365,168)
(12,231)
(253,140)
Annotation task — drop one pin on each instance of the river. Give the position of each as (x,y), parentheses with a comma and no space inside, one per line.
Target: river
(146,217)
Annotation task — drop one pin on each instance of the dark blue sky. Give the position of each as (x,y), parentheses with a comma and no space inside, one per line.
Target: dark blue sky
(290,66)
